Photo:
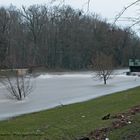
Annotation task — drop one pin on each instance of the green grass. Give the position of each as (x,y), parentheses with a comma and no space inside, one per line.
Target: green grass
(64,123)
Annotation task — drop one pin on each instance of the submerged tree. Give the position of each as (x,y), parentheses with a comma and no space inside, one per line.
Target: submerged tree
(103,66)
(19,86)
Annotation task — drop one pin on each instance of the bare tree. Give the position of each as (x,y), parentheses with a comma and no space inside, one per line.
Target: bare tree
(35,18)
(60,38)
(103,66)
(4,25)
(19,86)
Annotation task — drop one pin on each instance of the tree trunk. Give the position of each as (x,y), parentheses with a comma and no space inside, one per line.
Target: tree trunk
(104,80)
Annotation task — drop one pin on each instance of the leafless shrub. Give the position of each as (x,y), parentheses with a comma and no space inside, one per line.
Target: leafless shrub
(103,66)
(19,86)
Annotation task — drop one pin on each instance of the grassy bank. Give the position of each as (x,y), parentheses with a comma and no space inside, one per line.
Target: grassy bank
(129,132)
(67,122)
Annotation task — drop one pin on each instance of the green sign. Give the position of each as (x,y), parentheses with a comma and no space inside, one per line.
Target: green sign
(134,62)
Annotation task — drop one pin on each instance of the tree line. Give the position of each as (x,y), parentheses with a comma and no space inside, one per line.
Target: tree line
(61,37)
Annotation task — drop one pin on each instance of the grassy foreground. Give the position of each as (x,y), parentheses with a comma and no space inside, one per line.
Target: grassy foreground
(67,122)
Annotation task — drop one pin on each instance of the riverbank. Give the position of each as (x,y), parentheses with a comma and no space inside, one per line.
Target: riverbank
(69,121)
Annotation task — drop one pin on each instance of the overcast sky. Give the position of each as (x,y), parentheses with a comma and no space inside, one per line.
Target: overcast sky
(106,8)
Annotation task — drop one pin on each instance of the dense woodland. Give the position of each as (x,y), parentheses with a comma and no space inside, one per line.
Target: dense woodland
(61,38)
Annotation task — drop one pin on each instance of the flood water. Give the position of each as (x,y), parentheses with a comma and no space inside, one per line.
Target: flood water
(54,89)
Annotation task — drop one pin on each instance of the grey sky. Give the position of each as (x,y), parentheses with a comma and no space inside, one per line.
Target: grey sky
(107,8)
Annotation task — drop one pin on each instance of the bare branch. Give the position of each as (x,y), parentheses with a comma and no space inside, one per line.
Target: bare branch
(88,5)
(103,66)
(123,11)
(19,86)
